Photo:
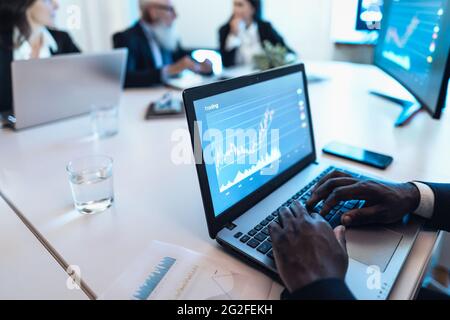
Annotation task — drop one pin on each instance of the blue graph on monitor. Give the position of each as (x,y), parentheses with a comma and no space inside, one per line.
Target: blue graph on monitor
(154,279)
(410,40)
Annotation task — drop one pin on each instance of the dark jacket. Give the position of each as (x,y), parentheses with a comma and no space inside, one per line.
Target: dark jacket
(335,289)
(266,33)
(65,45)
(441,214)
(141,67)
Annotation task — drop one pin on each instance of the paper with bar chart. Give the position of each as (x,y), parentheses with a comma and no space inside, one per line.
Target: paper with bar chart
(167,272)
(410,41)
(253,134)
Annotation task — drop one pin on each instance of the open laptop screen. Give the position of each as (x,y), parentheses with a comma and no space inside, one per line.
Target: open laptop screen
(251,135)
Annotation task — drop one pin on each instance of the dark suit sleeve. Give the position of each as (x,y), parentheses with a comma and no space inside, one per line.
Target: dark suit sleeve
(6,57)
(329,289)
(441,214)
(136,77)
(228,57)
(65,43)
(68,46)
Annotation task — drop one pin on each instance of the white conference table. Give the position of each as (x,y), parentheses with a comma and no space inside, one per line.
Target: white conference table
(27,270)
(158,200)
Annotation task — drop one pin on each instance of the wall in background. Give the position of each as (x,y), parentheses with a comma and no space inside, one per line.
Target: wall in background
(199,21)
(305,24)
(92,23)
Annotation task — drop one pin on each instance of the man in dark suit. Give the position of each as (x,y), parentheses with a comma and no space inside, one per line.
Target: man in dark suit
(312,258)
(154,52)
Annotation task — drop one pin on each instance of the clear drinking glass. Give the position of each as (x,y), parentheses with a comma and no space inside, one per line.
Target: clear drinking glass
(91,180)
(105,120)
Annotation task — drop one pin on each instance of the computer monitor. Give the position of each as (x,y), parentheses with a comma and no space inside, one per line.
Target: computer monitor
(414,48)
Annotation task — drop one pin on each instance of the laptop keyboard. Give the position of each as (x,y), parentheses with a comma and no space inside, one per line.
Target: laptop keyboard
(259,239)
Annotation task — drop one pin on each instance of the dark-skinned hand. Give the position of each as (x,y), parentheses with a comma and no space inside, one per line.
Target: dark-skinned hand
(306,249)
(386,203)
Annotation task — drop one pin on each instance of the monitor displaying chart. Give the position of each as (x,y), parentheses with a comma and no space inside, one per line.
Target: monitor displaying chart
(251,135)
(414,46)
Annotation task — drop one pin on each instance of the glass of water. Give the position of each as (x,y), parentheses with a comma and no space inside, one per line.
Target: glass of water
(91,180)
(105,120)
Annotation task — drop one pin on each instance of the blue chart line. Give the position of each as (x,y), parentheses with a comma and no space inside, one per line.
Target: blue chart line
(253,137)
(256,155)
(410,40)
(401,41)
(155,278)
(275,155)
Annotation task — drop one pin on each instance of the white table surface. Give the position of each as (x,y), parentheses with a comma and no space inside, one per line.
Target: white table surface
(158,200)
(27,270)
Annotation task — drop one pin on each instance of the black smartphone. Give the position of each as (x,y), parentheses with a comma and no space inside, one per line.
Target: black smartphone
(373,159)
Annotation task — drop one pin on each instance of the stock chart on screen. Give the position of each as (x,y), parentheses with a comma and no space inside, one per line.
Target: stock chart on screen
(411,38)
(414,46)
(251,135)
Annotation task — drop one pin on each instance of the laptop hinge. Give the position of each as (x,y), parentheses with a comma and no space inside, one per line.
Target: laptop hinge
(231,226)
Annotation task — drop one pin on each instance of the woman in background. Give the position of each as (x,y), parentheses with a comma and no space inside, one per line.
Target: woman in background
(244,35)
(26,33)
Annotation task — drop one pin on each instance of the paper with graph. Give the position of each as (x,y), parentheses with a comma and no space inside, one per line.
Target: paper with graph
(167,272)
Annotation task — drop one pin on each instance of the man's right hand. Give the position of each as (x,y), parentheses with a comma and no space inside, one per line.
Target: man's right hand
(385,202)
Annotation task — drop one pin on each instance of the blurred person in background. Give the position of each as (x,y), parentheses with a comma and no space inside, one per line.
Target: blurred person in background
(244,35)
(27,32)
(154,52)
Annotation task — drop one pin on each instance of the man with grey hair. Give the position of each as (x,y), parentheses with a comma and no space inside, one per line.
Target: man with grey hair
(154,52)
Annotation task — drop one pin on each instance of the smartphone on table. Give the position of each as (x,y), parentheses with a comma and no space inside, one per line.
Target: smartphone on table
(370,158)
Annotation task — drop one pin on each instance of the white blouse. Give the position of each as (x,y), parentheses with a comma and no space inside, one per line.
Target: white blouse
(25,50)
(247,43)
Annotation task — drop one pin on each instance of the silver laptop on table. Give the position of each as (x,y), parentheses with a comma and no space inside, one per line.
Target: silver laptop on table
(254,143)
(46,90)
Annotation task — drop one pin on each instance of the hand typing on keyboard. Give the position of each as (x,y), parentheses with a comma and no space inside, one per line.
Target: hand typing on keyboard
(334,215)
(306,249)
(383,202)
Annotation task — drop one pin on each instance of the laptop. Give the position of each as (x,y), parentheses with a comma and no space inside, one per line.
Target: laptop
(246,176)
(47,90)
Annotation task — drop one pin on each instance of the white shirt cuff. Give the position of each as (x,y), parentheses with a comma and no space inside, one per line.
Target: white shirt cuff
(427,198)
(233,42)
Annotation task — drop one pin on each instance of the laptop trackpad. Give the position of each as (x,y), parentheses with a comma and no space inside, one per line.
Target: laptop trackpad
(372,246)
